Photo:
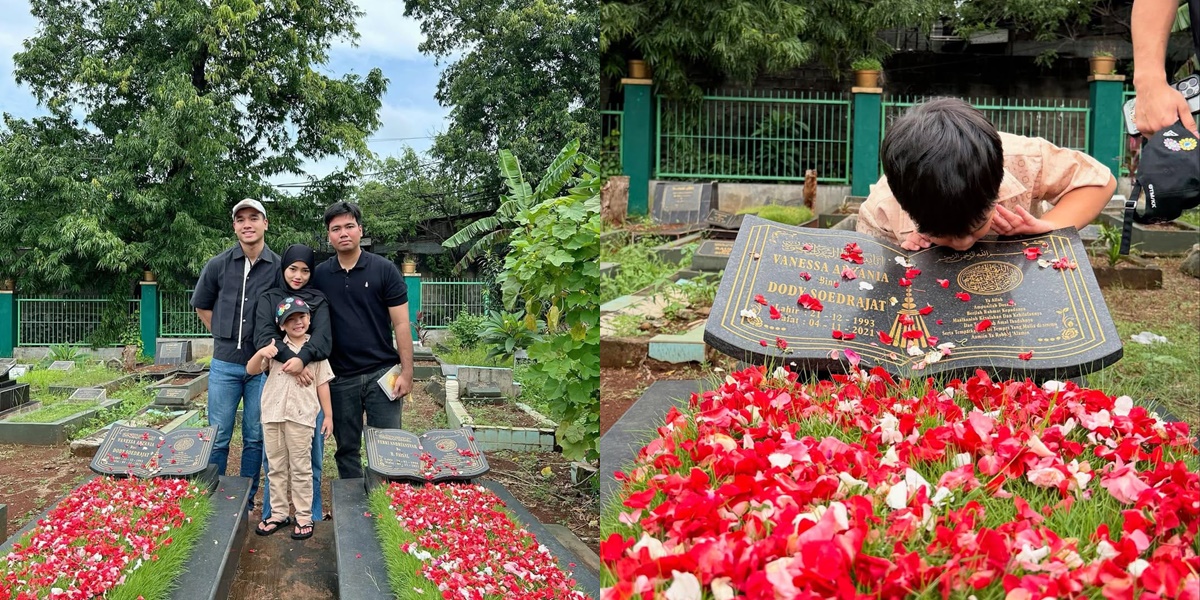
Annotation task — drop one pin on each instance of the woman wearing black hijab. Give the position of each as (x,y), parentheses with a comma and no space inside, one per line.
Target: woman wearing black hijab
(292,280)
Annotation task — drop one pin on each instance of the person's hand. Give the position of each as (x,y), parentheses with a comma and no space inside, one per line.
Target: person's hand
(305,377)
(326,426)
(1160,105)
(268,351)
(293,366)
(915,241)
(1019,222)
(403,385)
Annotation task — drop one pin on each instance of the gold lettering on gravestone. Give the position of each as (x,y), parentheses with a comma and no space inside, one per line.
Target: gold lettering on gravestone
(1008,322)
(398,452)
(681,198)
(722,248)
(990,278)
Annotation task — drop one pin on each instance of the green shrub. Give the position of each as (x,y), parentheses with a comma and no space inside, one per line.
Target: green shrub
(466,328)
(788,215)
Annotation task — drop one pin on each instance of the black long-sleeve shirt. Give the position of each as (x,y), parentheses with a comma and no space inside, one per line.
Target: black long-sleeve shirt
(231,298)
(320,341)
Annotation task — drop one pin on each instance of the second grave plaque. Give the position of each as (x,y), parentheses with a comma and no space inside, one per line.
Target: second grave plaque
(676,202)
(144,452)
(1019,307)
(437,455)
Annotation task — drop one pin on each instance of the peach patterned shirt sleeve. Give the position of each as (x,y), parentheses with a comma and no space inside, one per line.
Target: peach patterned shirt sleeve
(1034,171)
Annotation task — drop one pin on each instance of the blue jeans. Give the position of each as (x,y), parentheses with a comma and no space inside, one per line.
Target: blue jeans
(318,457)
(229,385)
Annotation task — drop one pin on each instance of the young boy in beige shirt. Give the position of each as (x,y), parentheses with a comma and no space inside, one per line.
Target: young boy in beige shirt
(289,411)
(950,178)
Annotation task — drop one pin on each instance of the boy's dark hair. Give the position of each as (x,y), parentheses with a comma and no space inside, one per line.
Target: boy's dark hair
(340,208)
(944,163)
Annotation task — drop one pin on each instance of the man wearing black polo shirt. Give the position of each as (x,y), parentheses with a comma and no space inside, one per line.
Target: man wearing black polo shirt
(225,298)
(368,302)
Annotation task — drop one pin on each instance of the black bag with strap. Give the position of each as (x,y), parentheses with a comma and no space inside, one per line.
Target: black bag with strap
(1168,172)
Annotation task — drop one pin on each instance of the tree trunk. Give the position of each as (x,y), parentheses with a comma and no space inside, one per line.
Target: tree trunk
(614,199)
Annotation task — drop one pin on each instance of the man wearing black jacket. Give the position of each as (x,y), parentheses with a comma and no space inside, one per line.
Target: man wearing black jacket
(225,299)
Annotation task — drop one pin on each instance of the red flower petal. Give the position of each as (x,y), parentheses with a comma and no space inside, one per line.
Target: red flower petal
(939,321)
(848,336)
(848,274)
(928,309)
(780,343)
(912,273)
(759,299)
(913,334)
(932,340)
(762,343)
(905,282)
(805,276)
(1033,252)
(983,325)
(1025,355)
(885,338)
(837,335)
(774,312)
(965,297)
(944,283)
(809,302)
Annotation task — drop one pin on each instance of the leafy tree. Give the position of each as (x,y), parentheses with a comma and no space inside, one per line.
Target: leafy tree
(183,108)
(552,269)
(524,77)
(401,194)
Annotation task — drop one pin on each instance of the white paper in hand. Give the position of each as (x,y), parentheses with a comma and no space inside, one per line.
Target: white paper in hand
(388,382)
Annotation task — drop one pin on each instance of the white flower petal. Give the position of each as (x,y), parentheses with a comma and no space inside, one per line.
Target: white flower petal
(684,586)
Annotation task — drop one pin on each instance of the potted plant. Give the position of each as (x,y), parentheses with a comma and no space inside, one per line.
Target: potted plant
(638,69)
(147,275)
(1103,62)
(409,266)
(866,72)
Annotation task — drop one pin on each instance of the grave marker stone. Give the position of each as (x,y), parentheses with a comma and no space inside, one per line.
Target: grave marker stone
(86,394)
(173,352)
(712,255)
(1011,305)
(171,397)
(145,452)
(682,202)
(724,220)
(12,394)
(452,455)
(485,380)
(62,365)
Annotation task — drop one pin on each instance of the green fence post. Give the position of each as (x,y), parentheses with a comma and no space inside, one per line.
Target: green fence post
(637,142)
(8,322)
(868,123)
(150,317)
(413,282)
(1106,124)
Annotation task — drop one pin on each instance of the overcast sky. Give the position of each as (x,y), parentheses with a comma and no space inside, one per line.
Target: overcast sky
(388,41)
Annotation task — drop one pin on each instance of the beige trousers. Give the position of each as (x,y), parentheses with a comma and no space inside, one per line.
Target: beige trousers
(289,452)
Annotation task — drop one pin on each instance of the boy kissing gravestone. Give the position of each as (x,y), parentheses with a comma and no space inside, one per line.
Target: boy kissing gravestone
(1025,307)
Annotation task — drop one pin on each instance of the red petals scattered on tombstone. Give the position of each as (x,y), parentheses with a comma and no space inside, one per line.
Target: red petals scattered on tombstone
(928,309)
(1033,252)
(965,297)
(1026,355)
(763,343)
(905,282)
(805,276)
(912,273)
(885,338)
(983,325)
(1064,263)
(809,302)
(780,343)
(848,274)
(944,283)
(853,253)
(774,313)
(760,299)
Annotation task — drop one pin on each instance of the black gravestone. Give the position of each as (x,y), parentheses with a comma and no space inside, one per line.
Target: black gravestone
(171,397)
(437,455)
(682,202)
(88,394)
(12,394)
(724,220)
(145,452)
(1011,305)
(712,255)
(62,365)
(173,352)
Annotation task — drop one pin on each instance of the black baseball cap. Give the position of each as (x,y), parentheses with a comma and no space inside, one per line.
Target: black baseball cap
(288,307)
(1168,174)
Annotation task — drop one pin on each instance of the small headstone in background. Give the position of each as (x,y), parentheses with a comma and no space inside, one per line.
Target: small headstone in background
(724,220)
(682,202)
(171,397)
(62,365)
(19,371)
(483,382)
(521,357)
(146,452)
(173,352)
(712,255)
(87,394)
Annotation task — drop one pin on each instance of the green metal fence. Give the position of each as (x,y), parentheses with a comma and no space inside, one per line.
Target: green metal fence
(443,300)
(763,136)
(610,140)
(177,318)
(1063,122)
(61,321)
(1124,159)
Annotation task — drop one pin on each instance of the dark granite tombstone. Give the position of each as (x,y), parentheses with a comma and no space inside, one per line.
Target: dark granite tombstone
(1003,309)
(676,202)
(144,452)
(88,394)
(12,394)
(174,352)
(171,397)
(712,255)
(62,365)
(437,455)
(724,220)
